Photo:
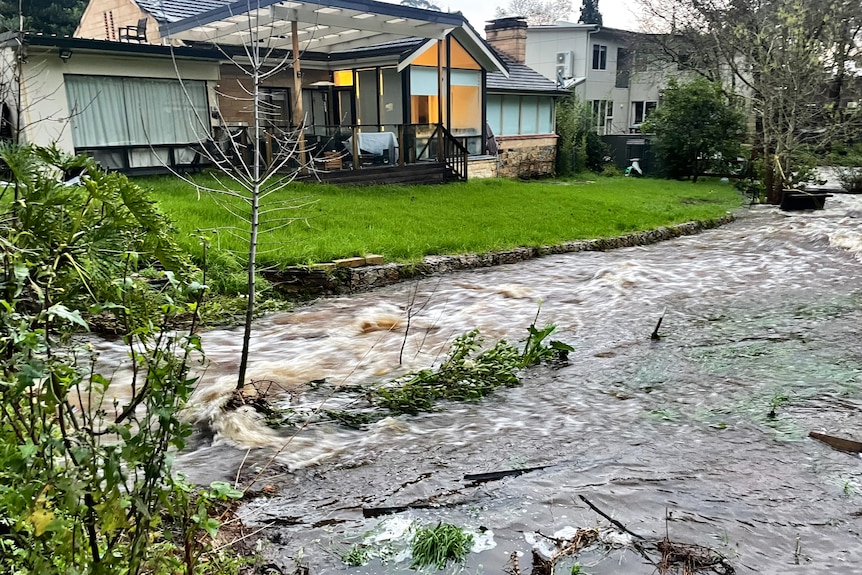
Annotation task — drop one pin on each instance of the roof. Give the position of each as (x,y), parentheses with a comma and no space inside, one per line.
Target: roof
(329,27)
(522,79)
(322,25)
(89,44)
(175,10)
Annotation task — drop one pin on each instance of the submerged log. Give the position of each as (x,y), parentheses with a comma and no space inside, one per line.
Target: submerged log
(495,475)
(839,443)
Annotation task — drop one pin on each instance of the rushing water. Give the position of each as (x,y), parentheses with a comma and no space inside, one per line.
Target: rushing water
(671,436)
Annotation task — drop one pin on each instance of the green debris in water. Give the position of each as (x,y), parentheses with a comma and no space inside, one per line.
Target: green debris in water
(437,546)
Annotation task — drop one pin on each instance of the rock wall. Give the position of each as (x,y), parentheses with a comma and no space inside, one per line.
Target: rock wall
(527,156)
(482,168)
(313,282)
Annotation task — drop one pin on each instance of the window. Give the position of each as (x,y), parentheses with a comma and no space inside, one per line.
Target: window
(600,57)
(424,85)
(466,93)
(114,111)
(520,115)
(276,107)
(641,111)
(603,116)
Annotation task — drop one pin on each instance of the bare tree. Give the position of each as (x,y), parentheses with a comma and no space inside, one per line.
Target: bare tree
(256,165)
(537,11)
(785,57)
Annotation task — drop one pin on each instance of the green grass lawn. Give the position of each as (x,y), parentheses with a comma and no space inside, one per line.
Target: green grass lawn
(405,223)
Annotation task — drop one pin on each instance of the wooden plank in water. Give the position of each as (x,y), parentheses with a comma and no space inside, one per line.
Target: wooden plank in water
(839,443)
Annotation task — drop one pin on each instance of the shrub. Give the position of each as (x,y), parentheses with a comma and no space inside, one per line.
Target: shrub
(85,484)
(850,179)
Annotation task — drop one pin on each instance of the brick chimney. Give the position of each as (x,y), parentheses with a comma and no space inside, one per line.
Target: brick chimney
(509,36)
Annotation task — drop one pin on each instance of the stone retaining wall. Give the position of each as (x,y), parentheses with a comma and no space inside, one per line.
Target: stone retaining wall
(311,282)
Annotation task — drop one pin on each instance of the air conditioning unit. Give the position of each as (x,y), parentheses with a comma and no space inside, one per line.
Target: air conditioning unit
(565,65)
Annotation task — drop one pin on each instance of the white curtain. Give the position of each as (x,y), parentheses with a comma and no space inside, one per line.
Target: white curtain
(98,111)
(112,111)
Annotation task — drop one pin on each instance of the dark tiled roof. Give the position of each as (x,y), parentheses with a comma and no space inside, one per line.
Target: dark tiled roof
(521,79)
(175,10)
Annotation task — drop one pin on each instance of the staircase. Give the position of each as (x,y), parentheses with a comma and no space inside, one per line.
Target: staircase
(419,173)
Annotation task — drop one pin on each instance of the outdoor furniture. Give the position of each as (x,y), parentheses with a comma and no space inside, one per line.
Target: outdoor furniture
(383,146)
(792,200)
(137,33)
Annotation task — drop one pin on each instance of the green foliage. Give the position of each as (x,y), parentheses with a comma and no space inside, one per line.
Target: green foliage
(573,125)
(43,16)
(850,179)
(464,376)
(696,129)
(590,12)
(84,235)
(437,546)
(356,556)
(596,152)
(85,482)
(469,374)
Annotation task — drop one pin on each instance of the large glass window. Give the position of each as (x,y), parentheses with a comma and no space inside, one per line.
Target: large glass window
(111,111)
(520,115)
(367,97)
(392,110)
(466,103)
(424,84)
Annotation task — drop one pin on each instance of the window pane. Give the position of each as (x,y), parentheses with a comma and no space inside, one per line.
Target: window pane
(511,115)
(466,78)
(494,111)
(98,111)
(466,111)
(367,98)
(393,109)
(423,81)
(546,116)
(165,111)
(529,115)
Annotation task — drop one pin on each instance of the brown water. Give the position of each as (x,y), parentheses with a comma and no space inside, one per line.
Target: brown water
(763,312)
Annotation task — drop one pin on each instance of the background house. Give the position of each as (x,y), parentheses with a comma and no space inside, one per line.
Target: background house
(619,74)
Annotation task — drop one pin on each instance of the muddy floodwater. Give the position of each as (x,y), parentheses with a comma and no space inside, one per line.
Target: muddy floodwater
(701,436)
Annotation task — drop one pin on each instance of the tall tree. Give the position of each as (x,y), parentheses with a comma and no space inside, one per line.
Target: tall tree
(590,13)
(537,11)
(788,58)
(58,17)
(695,126)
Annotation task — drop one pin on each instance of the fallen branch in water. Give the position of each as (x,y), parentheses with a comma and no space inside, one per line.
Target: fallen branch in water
(655,336)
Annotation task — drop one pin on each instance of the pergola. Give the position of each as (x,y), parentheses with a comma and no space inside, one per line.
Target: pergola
(325,27)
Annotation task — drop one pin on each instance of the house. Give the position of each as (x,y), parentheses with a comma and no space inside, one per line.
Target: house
(618,73)
(377,84)
(119,102)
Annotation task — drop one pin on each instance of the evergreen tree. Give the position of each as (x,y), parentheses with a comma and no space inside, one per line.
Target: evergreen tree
(58,17)
(590,13)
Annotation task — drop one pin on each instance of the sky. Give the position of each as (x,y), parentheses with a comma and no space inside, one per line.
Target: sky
(615,13)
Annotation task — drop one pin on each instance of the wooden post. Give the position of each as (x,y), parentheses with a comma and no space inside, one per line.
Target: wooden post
(355,148)
(441,84)
(298,114)
(400,144)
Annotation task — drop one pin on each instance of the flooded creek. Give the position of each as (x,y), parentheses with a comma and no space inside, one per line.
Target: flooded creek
(702,435)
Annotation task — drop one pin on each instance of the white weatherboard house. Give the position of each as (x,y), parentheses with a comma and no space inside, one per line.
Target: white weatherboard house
(386,85)
(616,72)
